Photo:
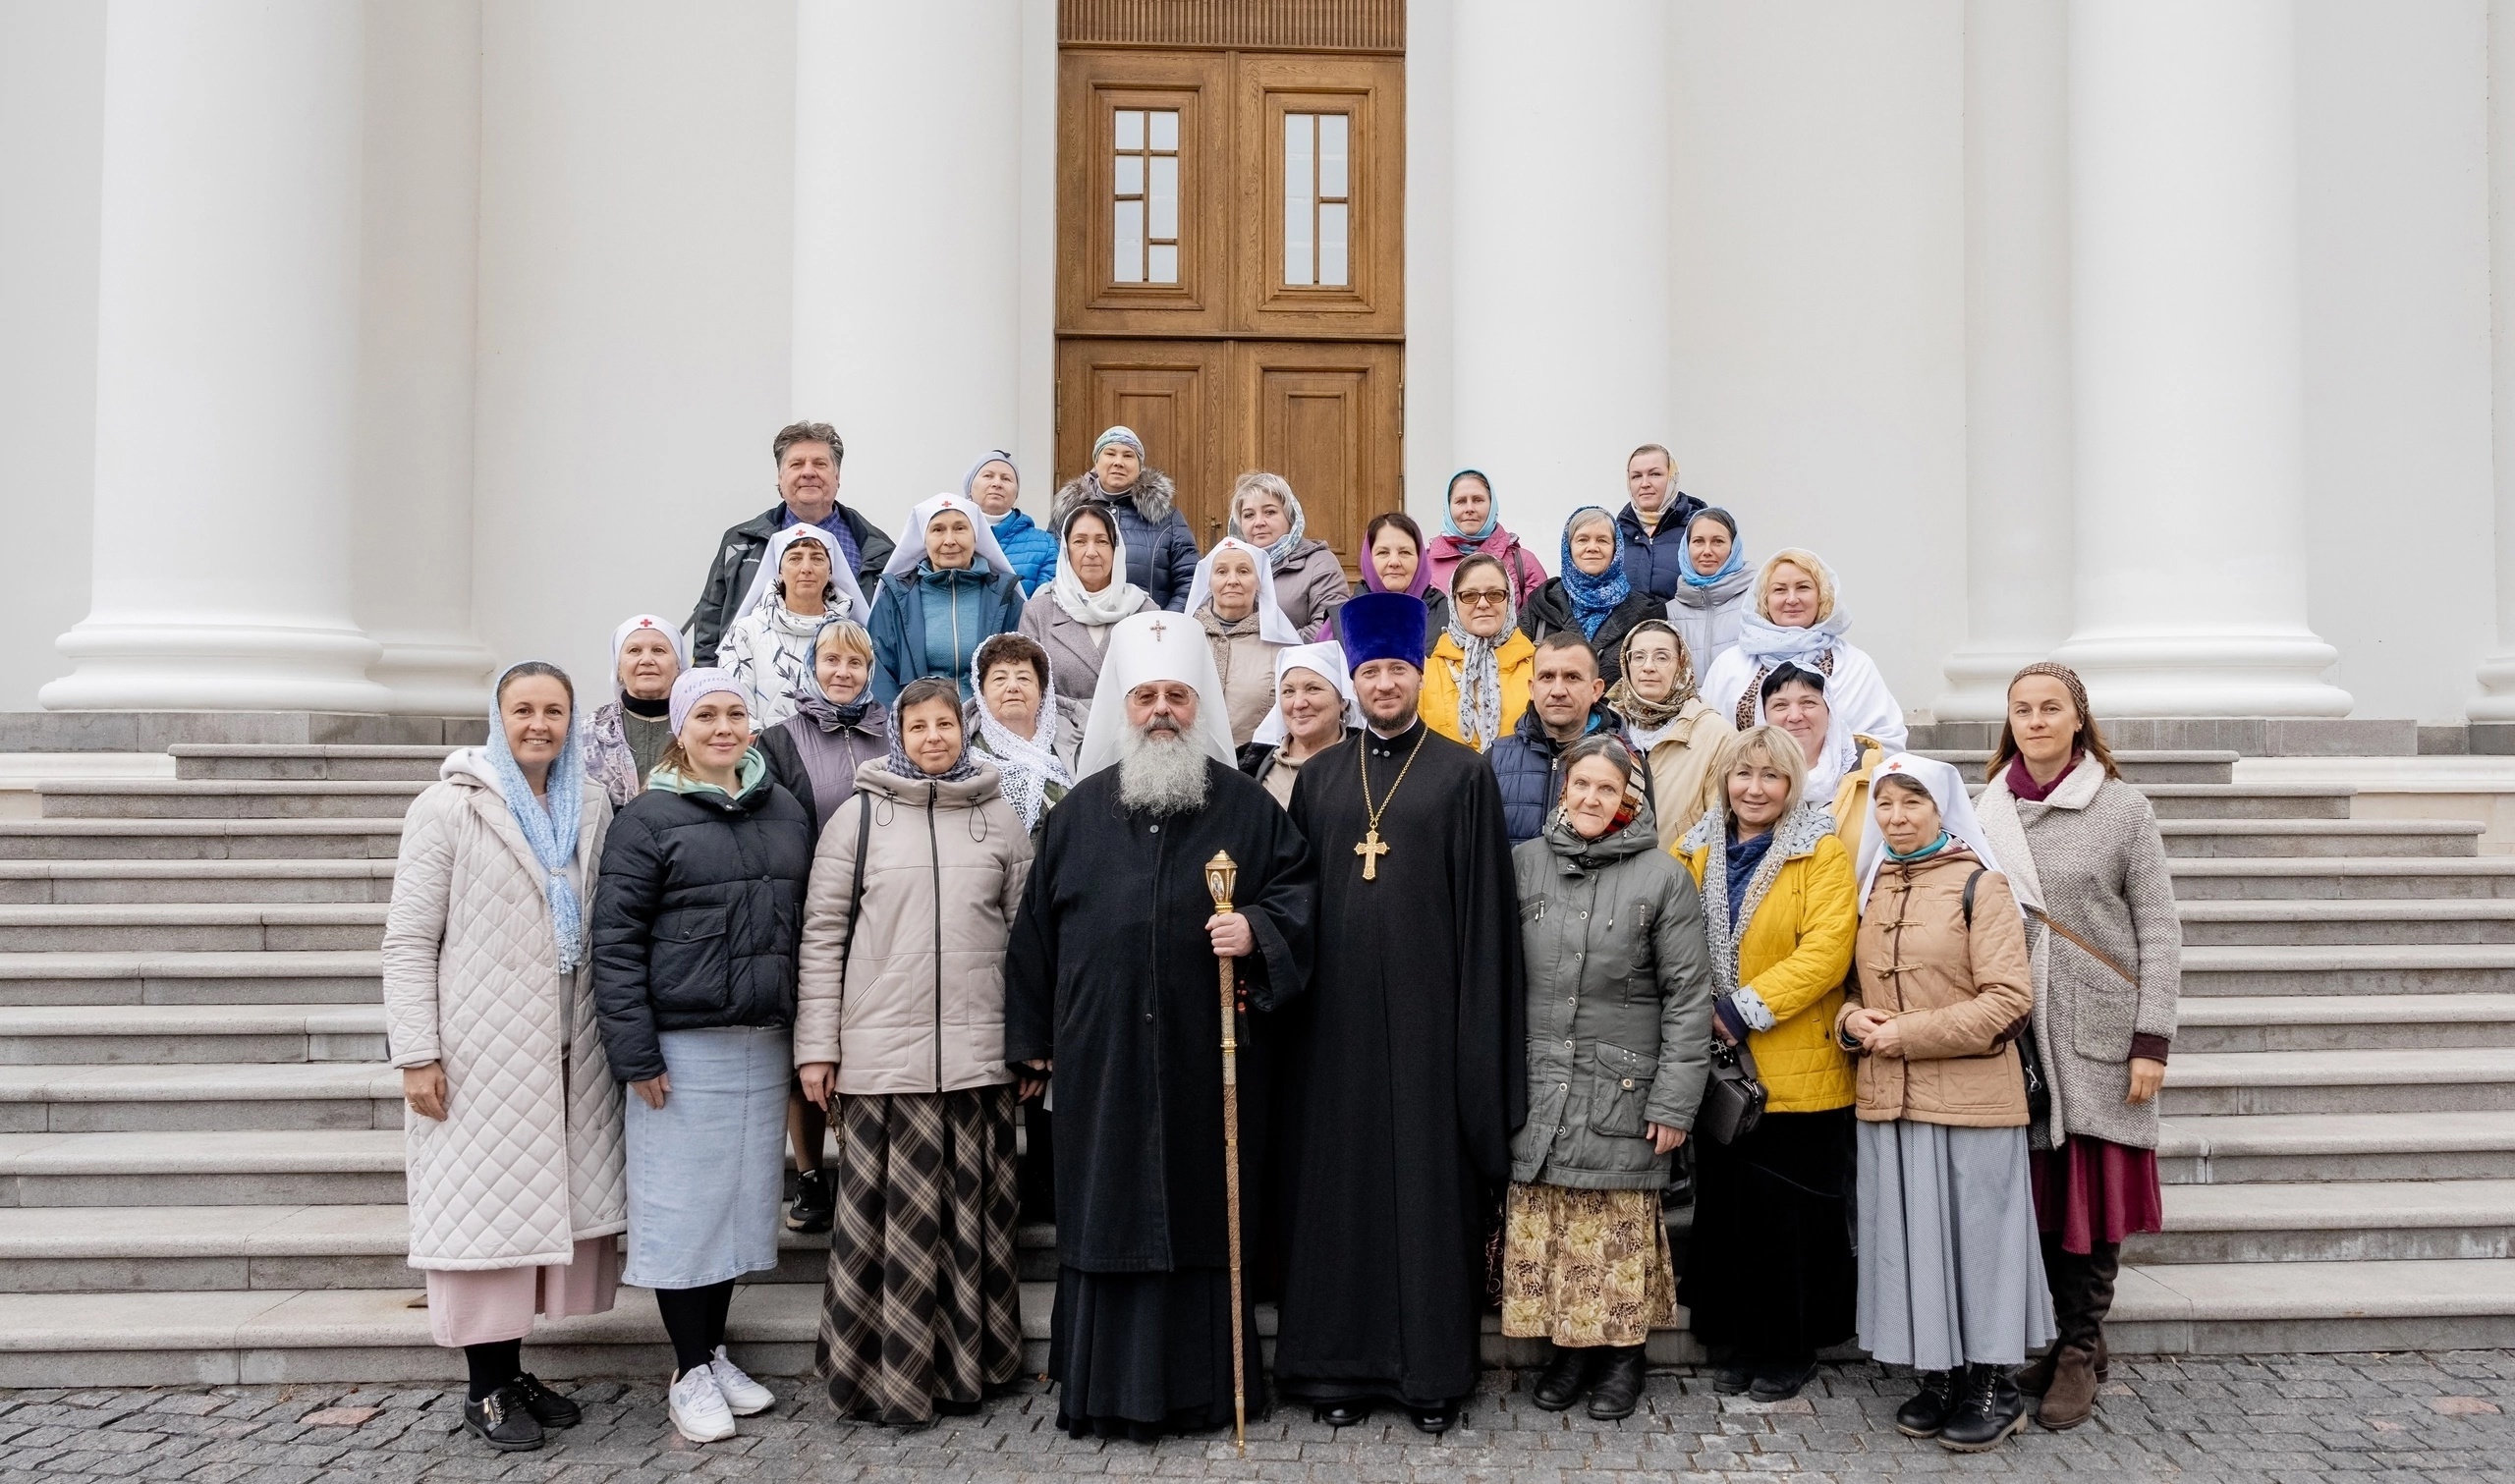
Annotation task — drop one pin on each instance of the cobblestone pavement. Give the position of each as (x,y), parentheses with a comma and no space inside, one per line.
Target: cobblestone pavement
(2404,1416)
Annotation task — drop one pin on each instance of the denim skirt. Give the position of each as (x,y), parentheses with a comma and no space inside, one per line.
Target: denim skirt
(707,1169)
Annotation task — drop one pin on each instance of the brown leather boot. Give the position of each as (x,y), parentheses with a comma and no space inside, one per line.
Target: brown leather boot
(2035,1378)
(2071,1397)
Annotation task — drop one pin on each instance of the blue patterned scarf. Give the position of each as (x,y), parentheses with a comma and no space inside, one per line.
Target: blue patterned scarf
(1594,597)
(552,830)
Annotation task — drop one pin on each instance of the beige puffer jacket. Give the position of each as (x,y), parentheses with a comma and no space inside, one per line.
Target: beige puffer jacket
(922,1009)
(529,1160)
(1958,993)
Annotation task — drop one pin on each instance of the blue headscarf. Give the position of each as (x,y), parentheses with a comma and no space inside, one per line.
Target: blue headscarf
(1492,506)
(1737,562)
(552,830)
(1594,597)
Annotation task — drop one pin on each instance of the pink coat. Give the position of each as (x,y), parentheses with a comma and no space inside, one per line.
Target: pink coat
(1527,573)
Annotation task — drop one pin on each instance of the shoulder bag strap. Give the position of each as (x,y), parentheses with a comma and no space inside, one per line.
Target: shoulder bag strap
(2089,949)
(855,891)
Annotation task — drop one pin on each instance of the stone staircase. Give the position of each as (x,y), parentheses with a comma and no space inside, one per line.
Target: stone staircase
(201,1151)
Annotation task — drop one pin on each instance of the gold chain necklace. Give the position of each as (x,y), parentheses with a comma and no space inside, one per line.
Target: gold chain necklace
(1371,848)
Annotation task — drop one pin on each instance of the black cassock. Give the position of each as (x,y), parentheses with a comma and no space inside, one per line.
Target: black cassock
(1110,971)
(1406,1073)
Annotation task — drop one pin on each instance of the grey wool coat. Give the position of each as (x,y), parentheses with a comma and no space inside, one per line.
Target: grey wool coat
(1073,657)
(2089,859)
(1619,1006)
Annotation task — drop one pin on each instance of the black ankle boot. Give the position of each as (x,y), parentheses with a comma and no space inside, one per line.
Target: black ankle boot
(1929,1407)
(1986,1414)
(503,1421)
(1564,1378)
(1618,1389)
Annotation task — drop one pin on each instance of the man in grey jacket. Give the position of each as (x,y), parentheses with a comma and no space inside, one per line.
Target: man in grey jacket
(807,456)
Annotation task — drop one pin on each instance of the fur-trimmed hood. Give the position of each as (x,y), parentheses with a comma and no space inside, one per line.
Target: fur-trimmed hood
(1152,497)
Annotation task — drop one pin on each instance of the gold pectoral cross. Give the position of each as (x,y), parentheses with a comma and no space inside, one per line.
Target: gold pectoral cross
(1371,850)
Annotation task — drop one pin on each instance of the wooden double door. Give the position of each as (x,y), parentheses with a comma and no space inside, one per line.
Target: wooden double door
(1230,273)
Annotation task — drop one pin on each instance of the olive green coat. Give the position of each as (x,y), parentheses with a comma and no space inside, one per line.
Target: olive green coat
(1619,1006)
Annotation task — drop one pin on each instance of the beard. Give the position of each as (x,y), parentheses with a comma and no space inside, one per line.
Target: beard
(1161,771)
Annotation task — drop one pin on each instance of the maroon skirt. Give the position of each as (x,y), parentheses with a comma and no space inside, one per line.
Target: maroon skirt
(2092,1191)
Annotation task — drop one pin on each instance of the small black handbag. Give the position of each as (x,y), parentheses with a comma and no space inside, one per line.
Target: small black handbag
(1733,1098)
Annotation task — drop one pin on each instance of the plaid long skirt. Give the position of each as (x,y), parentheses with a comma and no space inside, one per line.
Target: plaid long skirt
(921,1307)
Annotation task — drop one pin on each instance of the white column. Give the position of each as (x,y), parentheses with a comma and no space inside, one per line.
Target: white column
(412,513)
(227,365)
(2186,326)
(2496,703)
(2017,349)
(1560,272)
(909,242)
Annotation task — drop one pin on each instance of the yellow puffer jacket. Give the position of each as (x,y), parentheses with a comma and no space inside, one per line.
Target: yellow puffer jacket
(1850,796)
(1794,954)
(1439,705)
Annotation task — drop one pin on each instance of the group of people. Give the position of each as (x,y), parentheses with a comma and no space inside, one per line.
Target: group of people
(1519,884)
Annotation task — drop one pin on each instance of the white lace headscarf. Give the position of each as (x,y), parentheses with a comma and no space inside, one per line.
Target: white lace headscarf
(1024,765)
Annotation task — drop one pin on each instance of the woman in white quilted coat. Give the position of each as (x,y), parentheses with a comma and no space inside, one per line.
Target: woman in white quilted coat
(517,1187)
(900,1016)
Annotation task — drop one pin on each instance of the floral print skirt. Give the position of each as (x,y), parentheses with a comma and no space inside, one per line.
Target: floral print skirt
(1586,1267)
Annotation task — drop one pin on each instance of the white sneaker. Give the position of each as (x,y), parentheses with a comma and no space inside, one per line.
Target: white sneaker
(740,1393)
(698,1408)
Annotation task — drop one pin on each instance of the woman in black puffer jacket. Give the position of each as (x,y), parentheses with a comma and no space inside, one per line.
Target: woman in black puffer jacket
(695,920)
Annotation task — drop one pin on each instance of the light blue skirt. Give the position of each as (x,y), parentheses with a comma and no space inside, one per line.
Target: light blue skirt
(1951,1270)
(706,1170)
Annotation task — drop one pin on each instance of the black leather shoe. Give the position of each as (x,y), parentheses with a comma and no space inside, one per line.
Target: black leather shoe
(1781,1383)
(1929,1407)
(548,1406)
(1436,1420)
(502,1420)
(1618,1390)
(1986,1412)
(1564,1378)
(815,1202)
(1732,1378)
(1342,1413)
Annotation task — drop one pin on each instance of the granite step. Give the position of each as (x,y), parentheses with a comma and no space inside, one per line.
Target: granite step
(2348,969)
(2305,878)
(172,1034)
(2244,1308)
(190,1167)
(2337,1022)
(224,1096)
(339,763)
(2290,1148)
(2219,801)
(226,799)
(267,977)
(278,1335)
(199,839)
(2347,921)
(93,883)
(2450,1080)
(2337,1221)
(2318,837)
(2138,767)
(187,927)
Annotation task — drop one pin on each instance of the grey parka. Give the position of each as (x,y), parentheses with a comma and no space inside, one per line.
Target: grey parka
(1619,1006)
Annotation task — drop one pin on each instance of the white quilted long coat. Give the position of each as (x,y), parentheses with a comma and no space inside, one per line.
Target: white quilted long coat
(530,1158)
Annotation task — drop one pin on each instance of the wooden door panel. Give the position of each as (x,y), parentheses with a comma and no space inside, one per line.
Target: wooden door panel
(1325,418)
(1123,118)
(1320,166)
(1172,393)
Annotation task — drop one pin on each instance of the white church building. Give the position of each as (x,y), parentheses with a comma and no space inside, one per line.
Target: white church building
(349,350)
(353,349)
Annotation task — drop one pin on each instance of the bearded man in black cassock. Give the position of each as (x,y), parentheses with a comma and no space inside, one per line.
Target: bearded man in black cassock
(1111,984)
(1405,1068)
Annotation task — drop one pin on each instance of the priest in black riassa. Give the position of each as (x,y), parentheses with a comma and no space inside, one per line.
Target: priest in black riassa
(1405,1068)
(1111,983)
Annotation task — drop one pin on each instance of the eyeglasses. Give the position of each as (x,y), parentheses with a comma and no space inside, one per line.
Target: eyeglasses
(1486,597)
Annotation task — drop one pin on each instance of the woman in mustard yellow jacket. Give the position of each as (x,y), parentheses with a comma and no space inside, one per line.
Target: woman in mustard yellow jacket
(1769,1278)
(1476,684)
